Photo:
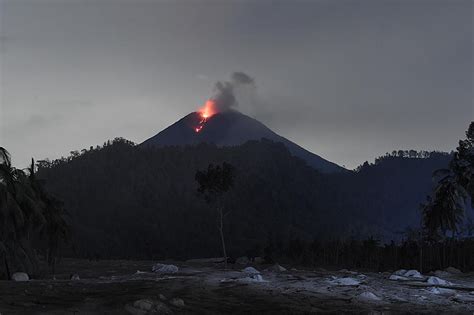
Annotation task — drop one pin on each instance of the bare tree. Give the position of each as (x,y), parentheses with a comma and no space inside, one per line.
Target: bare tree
(213,184)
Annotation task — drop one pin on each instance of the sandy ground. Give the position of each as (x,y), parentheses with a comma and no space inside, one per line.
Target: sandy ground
(115,287)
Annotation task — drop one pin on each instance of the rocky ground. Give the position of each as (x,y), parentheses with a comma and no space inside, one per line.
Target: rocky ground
(130,287)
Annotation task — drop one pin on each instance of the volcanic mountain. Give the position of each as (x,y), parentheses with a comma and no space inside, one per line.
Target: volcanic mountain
(230,128)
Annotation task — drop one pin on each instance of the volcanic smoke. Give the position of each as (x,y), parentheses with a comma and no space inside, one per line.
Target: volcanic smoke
(224,97)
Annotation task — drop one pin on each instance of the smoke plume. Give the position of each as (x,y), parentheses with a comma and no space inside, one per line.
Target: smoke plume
(224,96)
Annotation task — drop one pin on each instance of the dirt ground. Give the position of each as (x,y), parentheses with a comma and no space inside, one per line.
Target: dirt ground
(115,287)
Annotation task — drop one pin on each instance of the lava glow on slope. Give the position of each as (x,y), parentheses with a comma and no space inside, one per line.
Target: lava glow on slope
(205,112)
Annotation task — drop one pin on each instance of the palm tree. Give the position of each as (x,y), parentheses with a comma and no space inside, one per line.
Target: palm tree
(445,210)
(26,211)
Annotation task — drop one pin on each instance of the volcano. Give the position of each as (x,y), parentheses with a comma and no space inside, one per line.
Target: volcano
(231,128)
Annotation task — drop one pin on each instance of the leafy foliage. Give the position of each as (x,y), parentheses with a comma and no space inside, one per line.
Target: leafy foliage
(455,186)
(26,215)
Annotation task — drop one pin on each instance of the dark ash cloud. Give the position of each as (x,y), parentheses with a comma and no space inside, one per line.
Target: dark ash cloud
(224,96)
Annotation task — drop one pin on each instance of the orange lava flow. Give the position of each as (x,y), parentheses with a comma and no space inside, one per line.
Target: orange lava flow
(205,112)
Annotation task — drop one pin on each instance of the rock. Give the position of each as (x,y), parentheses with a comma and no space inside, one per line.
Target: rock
(413,274)
(452,270)
(20,276)
(162,297)
(276,268)
(144,304)
(177,302)
(437,281)
(242,260)
(147,306)
(250,270)
(441,291)
(398,278)
(161,308)
(345,281)
(74,277)
(403,274)
(472,293)
(400,272)
(463,298)
(257,277)
(368,296)
(163,268)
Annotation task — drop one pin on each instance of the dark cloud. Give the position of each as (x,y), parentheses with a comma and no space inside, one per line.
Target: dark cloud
(224,96)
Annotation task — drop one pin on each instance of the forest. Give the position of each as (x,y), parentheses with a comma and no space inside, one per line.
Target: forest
(126,201)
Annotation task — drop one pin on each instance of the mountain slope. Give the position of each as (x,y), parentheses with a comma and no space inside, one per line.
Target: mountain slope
(228,129)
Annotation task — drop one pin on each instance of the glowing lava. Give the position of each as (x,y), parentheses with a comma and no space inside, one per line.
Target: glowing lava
(205,112)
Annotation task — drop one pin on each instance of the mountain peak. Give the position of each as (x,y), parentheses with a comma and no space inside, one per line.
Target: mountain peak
(230,128)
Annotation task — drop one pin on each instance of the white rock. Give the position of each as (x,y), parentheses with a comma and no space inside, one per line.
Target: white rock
(20,276)
(472,292)
(75,277)
(413,274)
(257,277)
(452,270)
(162,268)
(437,281)
(250,270)
(242,260)
(441,291)
(345,281)
(368,296)
(177,302)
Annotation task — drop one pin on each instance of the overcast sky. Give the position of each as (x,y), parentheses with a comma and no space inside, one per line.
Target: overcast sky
(348,80)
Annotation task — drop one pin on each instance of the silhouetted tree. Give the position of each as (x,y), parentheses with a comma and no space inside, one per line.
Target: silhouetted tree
(24,214)
(213,184)
(445,210)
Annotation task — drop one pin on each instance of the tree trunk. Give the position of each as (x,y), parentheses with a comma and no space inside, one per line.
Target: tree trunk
(221,231)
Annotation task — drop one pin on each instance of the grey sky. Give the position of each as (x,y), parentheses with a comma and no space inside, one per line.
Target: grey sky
(348,80)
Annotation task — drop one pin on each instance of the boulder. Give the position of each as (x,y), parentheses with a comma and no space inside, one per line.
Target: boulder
(368,297)
(20,276)
(250,270)
(437,281)
(177,302)
(147,306)
(413,274)
(144,304)
(441,291)
(163,268)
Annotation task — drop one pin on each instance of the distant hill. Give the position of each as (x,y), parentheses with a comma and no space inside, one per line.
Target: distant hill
(231,128)
(141,201)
